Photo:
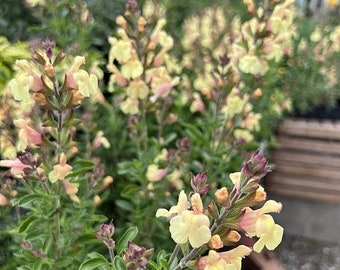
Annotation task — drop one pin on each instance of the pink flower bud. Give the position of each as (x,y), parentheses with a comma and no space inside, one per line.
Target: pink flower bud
(256,167)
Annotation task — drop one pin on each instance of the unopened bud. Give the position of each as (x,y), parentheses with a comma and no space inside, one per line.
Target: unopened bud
(141,24)
(215,242)
(60,57)
(3,200)
(49,69)
(37,57)
(26,245)
(222,196)
(96,200)
(107,180)
(256,167)
(198,180)
(120,20)
(260,195)
(40,99)
(232,237)
(251,186)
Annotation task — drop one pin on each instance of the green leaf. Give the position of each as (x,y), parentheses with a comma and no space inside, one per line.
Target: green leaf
(63,262)
(88,238)
(171,137)
(118,263)
(127,236)
(79,172)
(94,263)
(27,200)
(85,163)
(48,242)
(130,190)
(124,205)
(24,225)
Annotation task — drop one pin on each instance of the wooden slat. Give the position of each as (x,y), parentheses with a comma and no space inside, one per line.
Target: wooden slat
(310,145)
(306,183)
(311,129)
(307,163)
(320,173)
(328,161)
(289,192)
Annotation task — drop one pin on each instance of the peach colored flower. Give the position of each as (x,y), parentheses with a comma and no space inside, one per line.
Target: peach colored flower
(259,223)
(71,190)
(154,174)
(197,105)
(3,200)
(61,170)
(100,140)
(28,137)
(17,167)
(228,260)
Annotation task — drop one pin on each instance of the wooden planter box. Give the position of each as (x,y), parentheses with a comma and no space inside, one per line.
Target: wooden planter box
(307,163)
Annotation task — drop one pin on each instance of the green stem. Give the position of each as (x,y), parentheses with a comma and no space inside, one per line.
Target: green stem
(28,188)
(144,127)
(112,254)
(56,238)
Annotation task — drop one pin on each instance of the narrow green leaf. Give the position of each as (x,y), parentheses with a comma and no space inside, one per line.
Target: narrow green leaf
(124,205)
(79,172)
(30,198)
(127,236)
(118,263)
(87,238)
(26,223)
(85,163)
(63,262)
(94,263)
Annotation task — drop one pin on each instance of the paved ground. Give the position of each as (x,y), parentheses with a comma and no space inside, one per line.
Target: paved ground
(300,253)
(312,235)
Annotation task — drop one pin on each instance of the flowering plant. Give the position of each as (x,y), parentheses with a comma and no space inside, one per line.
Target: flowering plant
(160,139)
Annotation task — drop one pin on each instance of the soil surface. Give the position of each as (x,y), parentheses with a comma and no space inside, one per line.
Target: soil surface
(300,253)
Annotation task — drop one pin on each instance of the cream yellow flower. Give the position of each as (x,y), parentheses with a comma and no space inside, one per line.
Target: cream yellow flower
(137,89)
(130,106)
(253,65)
(20,87)
(243,134)
(188,226)
(132,69)
(87,84)
(181,206)
(121,51)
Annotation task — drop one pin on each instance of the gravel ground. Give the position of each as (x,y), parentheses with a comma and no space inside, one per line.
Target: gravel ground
(300,253)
